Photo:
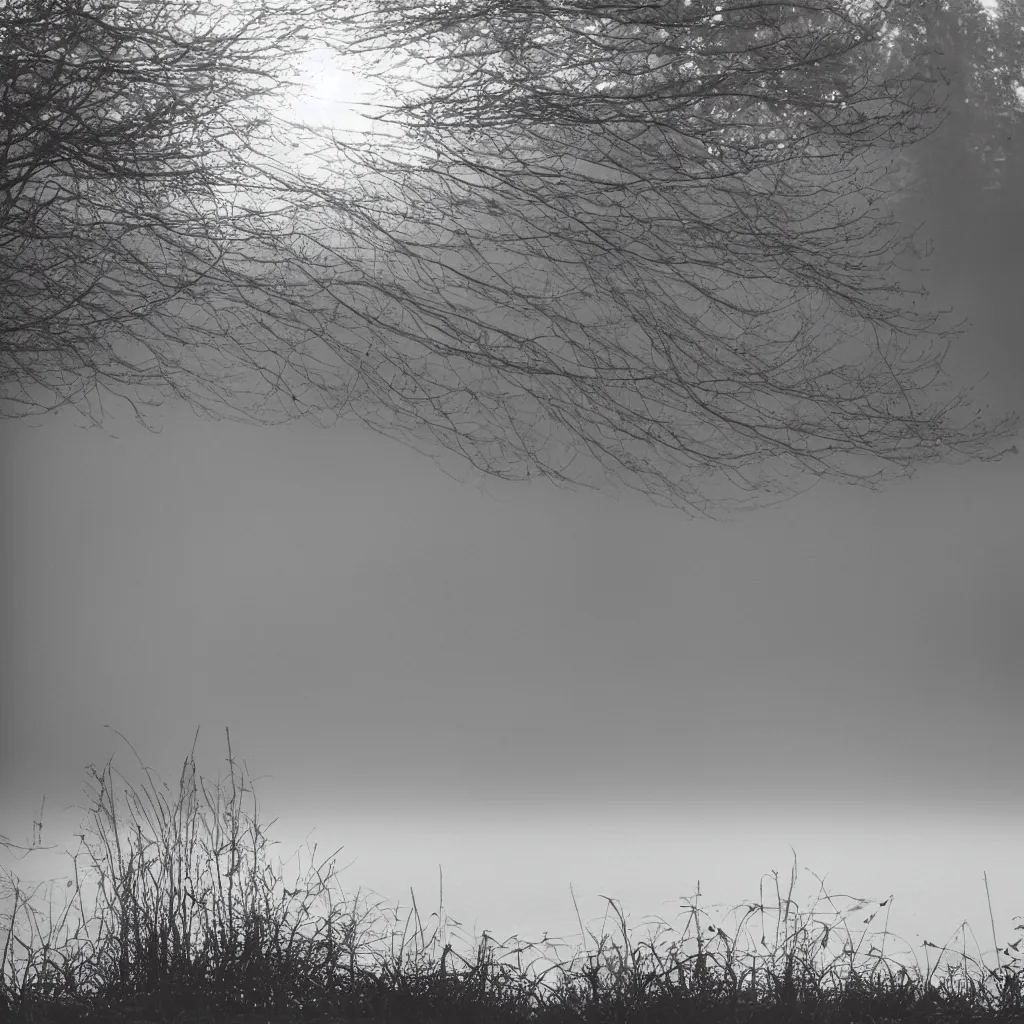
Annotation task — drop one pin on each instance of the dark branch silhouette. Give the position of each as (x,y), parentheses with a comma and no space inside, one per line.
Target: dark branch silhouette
(650,237)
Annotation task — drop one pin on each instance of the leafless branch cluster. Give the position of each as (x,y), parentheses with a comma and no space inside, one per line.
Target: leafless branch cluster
(651,235)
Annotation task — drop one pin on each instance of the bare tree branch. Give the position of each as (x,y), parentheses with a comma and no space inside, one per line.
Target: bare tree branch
(647,236)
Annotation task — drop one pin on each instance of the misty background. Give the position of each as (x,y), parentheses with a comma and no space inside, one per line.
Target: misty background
(532,687)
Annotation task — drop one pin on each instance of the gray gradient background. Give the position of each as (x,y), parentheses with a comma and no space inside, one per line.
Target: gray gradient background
(529,686)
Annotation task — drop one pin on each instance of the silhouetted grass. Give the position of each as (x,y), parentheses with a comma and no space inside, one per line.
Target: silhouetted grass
(193,943)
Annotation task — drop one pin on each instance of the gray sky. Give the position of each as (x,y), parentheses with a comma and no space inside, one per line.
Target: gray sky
(529,686)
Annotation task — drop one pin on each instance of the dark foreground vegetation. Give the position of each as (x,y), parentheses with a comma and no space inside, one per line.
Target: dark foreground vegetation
(184,941)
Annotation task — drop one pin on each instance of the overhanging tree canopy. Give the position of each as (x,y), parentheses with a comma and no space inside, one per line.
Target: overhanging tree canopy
(647,236)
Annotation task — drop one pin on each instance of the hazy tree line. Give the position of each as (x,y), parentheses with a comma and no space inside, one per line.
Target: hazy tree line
(970,173)
(652,237)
